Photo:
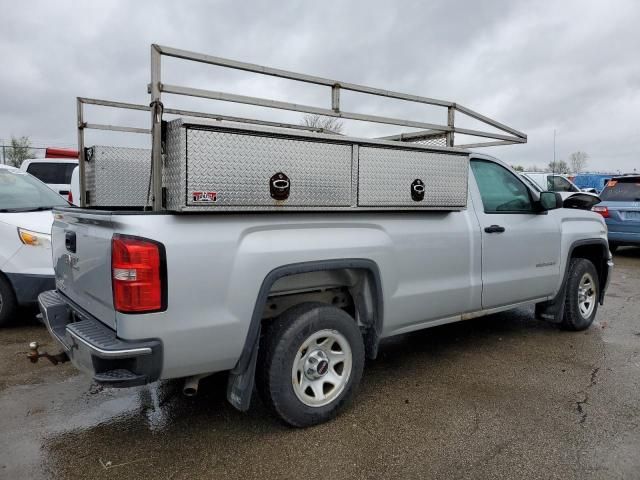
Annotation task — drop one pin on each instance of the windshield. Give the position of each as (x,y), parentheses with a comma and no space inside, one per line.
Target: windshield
(20,192)
(622,190)
(556,183)
(52,172)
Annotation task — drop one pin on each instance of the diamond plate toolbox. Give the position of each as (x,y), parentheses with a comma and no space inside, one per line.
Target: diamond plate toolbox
(395,177)
(117,176)
(224,167)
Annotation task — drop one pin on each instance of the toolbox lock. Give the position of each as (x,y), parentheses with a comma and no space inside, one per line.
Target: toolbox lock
(88,154)
(417,190)
(279,186)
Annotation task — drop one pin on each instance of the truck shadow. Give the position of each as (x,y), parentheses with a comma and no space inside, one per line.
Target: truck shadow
(145,429)
(627,252)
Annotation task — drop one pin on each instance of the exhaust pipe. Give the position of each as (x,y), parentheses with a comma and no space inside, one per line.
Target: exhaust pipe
(191,384)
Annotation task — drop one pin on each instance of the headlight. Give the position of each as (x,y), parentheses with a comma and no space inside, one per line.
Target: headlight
(35,239)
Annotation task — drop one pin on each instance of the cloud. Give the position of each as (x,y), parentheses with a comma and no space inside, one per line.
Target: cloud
(537,66)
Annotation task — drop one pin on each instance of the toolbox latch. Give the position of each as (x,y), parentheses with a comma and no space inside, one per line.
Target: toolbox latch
(279,186)
(417,190)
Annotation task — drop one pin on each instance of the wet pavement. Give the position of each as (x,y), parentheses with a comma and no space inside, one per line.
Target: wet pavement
(504,396)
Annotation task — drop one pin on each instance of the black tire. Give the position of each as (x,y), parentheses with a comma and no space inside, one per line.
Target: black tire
(573,318)
(281,340)
(8,303)
(613,247)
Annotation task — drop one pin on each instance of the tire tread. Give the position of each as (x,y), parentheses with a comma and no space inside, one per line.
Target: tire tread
(572,319)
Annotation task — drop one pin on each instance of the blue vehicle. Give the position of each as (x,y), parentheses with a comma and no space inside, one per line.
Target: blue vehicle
(620,208)
(592,182)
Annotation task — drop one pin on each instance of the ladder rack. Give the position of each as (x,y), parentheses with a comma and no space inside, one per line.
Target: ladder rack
(429,132)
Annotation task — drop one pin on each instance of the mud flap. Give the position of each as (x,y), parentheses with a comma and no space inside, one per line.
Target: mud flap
(552,310)
(240,385)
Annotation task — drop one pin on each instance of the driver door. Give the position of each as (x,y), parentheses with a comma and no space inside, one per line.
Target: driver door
(520,246)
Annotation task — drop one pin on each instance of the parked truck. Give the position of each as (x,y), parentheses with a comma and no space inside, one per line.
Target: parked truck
(285,257)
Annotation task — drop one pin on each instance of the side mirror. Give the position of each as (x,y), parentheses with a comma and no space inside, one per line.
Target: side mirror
(550,201)
(582,201)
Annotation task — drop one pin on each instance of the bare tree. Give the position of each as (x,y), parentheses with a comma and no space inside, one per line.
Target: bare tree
(518,168)
(19,151)
(558,166)
(330,124)
(578,161)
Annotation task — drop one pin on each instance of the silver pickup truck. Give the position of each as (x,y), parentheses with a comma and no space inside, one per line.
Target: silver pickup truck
(284,258)
(297,301)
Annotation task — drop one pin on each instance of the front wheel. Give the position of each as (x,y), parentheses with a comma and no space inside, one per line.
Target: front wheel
(582,294)
(310,363)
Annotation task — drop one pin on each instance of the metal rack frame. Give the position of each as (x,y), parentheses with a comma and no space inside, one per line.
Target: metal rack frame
(156,88)
(429,130)
(82,126)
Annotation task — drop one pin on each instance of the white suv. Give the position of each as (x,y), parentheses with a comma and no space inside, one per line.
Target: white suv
(552,182)
(25,239)
(55,172)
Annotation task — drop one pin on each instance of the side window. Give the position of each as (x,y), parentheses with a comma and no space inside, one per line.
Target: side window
(501,190)
(559,184)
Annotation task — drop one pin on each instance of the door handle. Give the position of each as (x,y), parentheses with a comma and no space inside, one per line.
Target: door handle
(494,229)
(70,241)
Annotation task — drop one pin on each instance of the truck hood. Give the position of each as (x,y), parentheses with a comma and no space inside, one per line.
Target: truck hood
(35,221)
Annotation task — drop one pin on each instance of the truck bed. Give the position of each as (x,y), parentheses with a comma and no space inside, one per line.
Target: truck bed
(216,264)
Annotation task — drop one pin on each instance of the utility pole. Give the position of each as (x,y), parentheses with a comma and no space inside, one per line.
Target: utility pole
(4,155)
(554,151)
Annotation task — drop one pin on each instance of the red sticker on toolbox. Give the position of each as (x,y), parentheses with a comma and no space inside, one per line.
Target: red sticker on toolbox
(205,197)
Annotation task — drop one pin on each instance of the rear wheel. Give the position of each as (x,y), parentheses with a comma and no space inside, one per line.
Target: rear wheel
(582,293)
(8,302)
(310,363)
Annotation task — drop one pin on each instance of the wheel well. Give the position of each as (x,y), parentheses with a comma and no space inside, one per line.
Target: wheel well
(333,287)
(597,254)
(358,277)
(338,287)
(354,290)
(5,278)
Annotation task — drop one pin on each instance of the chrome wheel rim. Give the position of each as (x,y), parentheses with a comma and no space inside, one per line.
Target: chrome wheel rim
(321,368)
(586,295)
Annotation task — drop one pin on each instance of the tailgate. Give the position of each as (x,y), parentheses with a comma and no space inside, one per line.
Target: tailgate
(81,248)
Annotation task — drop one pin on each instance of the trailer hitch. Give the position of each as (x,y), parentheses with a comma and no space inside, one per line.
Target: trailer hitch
(34,355)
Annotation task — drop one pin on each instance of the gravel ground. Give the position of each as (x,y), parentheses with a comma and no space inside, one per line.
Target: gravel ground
(504,396)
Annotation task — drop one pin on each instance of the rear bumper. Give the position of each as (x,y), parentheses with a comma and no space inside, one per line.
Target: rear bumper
(27,286)
(95,349)
(624,238)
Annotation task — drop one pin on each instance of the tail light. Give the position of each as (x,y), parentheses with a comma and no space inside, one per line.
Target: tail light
(604,211)
(138,269)
(70,197)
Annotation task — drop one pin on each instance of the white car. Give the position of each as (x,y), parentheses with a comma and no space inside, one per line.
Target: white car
(26,267)
(55,172)
(553,182)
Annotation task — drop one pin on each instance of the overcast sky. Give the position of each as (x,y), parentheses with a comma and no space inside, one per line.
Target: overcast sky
(536,66)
